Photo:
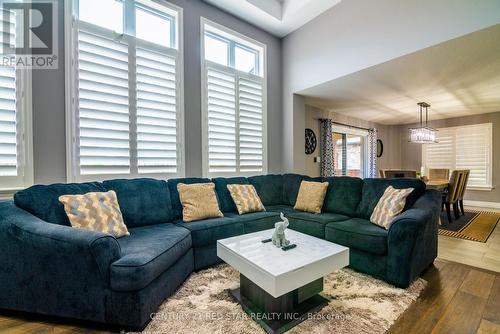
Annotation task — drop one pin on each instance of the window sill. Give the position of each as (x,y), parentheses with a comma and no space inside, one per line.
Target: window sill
(480,188)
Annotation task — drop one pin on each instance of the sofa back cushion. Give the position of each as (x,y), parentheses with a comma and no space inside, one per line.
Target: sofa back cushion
(291,185)
(174,194)
(373,189)
(343,195)
(226,203)
(269,187)
(142,201)
(43,200)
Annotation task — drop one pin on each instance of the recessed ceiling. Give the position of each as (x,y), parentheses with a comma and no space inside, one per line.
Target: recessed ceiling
(279,17)
(460,77)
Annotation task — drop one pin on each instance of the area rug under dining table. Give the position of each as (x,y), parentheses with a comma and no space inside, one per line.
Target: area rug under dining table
(358,303)
(473,225)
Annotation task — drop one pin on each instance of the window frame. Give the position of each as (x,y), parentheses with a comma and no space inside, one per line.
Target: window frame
(489,178)
(72,149)
(24,138)
(205,64)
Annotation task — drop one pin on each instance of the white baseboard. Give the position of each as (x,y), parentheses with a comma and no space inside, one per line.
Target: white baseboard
(481,204)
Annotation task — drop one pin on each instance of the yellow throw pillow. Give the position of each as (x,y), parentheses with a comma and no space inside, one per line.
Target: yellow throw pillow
(198,201)
(389,206)
(246,198)
(95,211)
(311,196)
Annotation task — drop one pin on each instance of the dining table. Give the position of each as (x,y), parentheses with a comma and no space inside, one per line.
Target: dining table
(438,184)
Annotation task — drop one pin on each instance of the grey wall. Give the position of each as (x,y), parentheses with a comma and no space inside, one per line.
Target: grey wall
(411,154)
(48,96)
(357,34)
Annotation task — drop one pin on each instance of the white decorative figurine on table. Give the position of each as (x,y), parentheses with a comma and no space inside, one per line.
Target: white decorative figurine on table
(279,239)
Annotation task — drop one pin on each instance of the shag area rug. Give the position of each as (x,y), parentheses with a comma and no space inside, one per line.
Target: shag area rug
(358,304)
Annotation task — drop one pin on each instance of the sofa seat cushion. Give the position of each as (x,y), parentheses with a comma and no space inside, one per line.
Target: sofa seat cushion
(147,253)
(359,234)
(305,222)
(279,208)
(42,201)
(143,201)
(206,232)
(256,221)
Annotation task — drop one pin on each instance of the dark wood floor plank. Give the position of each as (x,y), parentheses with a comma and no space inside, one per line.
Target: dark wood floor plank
(463,315)
(492,310)
(478,283)
(443,282)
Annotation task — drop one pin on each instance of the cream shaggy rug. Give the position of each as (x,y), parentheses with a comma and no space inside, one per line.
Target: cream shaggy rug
(358,304)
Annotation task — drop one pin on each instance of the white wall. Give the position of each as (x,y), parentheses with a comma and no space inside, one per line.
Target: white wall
(357,34)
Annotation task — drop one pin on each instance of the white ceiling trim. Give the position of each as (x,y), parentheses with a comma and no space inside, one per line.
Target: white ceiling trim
(279,17)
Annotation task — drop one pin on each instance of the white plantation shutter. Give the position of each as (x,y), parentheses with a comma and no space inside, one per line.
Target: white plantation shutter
(463,147)
(8,122)
(221,99)
(235,121)
(125,101)
(103,115)
(251,130)
(15,132)
(156,112)
(442,153)
(473,151)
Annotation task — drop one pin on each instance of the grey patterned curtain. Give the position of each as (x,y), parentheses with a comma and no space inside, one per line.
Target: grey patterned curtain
(326,147)
(372,153)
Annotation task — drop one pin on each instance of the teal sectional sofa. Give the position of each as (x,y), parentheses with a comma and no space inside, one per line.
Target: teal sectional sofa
(48,267)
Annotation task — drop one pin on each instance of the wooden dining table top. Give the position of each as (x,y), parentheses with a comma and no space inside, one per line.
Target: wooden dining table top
(438,184)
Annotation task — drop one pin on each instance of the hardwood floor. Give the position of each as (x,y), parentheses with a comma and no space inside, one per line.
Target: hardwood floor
(458,299)
(482,255)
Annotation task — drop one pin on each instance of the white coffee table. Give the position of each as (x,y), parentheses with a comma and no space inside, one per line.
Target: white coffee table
(279,289)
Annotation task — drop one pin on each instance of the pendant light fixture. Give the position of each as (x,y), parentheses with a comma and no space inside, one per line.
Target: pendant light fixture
(423,134)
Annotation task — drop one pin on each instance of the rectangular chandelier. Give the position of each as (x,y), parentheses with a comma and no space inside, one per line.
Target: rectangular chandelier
(423,134)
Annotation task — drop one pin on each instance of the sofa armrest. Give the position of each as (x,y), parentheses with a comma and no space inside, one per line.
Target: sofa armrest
(412,239)
(38,240)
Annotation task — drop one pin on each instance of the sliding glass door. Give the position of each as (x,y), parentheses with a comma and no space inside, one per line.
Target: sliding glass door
(349,153)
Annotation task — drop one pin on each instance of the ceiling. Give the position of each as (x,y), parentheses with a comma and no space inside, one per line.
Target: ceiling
(279,17)
(460,77)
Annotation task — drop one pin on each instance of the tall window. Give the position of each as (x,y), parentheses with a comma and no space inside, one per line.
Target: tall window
(350,151)
(16,166)
(234,103)
(125,85)
(463,147)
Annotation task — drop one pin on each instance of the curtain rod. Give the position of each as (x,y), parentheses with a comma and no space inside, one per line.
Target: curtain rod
(350,126)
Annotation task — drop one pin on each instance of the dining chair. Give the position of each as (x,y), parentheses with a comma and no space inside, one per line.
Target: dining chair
(439,174)
(462,191)
(455,190)
(394,174)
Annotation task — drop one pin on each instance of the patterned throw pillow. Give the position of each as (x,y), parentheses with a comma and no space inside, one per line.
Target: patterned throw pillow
(198,201)
(389,206)
(95,211)
(311,196)
(245,197)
